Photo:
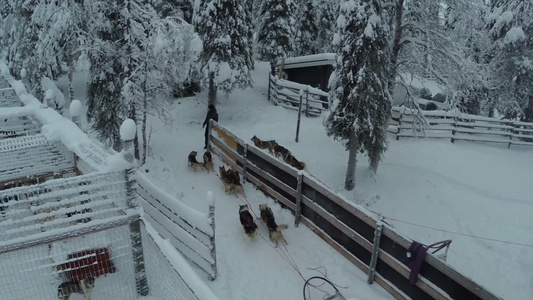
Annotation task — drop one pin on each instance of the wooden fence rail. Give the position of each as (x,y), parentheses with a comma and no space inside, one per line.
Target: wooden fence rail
(189,231)
(287,94)
(346,227)
(406,122)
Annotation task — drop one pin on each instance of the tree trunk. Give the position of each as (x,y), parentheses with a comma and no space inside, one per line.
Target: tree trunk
(133,116)
(374,159)
(349,183)
(70,79)
(212,94)
(144,133)
(396,46)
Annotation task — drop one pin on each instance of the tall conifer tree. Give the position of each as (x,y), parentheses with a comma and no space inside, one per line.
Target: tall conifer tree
(226,61)
(359,85)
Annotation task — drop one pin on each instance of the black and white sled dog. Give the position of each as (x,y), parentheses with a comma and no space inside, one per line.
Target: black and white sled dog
(84,287)
(247,222)
(274,230)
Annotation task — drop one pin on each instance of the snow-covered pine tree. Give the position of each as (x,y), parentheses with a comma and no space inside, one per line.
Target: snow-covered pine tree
(152,43)
(464,23)
(510,25)
(249,15)
(307,31)
(421,47)
(359,83)
(226,55)
(327,16)
(105,112)
(274,39)
(62,25)
(22,36)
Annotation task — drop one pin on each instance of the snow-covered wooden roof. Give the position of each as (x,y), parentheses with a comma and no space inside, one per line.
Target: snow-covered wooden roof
(52,128)
(323,59)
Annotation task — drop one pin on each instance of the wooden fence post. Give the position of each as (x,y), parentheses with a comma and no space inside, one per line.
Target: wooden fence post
(212,238)
(245,163)
(127,134)
(307,102)
(375,253)
(298,211)
(299,115)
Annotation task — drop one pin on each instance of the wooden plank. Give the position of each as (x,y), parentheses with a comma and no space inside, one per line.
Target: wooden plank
(405,272)
(271,192)
(470,130)
(272,180)
(354,235)
(188,252)
(497,125)
(444,268)
(203,237)
(226,159)
(273,161)
(479,139)
(339,201)
(393,290)
(354,260)
(229,139)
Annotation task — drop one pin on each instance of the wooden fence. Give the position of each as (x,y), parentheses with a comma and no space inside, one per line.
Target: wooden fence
(406,122)
(287,94)
(189,231)
(348,229)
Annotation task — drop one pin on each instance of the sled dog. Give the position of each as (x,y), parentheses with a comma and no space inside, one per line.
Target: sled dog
(84,287)
(231,181)
(274,230)
(270,145)
(193,163)
(291,160)
(247,221)
(208,161)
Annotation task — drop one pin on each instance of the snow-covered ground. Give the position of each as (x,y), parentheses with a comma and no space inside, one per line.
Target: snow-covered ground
(478,195)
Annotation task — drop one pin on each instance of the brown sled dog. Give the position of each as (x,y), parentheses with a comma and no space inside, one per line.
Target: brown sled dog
(231,181)
(270,145)
(274,230)
(208,161)
(193,163)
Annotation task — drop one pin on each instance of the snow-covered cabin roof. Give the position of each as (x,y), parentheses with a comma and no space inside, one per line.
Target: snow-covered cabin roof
(323,59)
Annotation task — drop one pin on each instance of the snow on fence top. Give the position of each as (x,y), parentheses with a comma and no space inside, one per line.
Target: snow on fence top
(309,61)
(57,128)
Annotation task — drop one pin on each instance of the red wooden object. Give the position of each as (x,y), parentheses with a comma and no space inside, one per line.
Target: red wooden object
(94,262)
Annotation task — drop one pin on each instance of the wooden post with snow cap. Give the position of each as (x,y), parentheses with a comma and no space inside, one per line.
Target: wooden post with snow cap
(245,163)
(75,112)
(299,115)
(375,254)
(211,202)
(128,129)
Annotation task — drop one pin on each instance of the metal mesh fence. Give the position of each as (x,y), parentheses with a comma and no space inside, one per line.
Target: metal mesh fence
(36,272)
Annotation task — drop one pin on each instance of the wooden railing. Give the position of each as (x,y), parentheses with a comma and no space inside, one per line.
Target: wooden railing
(353,232)
(406,122)
(189,231)
(287,94)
